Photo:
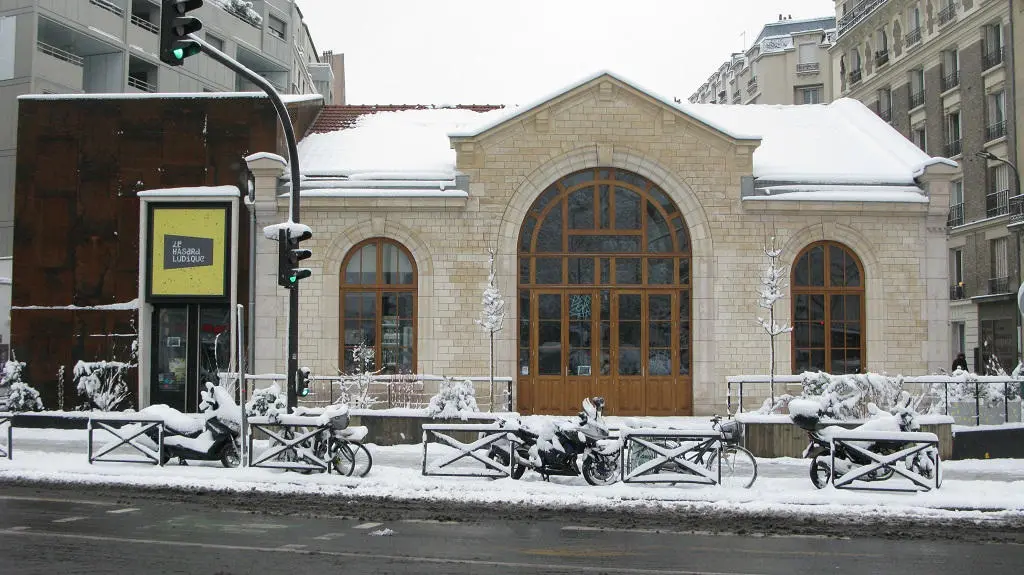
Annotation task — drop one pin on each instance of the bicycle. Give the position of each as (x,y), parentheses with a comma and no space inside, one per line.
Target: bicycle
(341,446)
(726,458)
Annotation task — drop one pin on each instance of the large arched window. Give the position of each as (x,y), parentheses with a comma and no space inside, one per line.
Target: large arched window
(828,310)
(378,305)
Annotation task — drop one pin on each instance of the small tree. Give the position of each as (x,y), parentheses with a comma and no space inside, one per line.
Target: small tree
(492,316)
(355,389)
(21,396)
(773,288)
(453,399)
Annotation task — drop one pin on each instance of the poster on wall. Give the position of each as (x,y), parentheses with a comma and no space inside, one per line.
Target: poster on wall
(188,251)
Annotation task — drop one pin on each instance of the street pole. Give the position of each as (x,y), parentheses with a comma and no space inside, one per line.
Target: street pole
(293,163)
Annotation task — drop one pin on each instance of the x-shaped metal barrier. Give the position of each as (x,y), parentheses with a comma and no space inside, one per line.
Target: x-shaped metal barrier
(126,438)
(7,450)
(676,456)
(490,435)
(925,444)
(287,441)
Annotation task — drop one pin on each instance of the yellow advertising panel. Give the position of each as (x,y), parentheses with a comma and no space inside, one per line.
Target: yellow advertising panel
(188,251)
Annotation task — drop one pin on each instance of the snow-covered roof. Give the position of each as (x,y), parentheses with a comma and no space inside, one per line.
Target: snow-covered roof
(286,98)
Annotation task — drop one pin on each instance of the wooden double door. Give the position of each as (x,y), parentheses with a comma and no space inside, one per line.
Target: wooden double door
(625,345)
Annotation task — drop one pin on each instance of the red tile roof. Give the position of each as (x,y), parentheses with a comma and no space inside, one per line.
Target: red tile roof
(333,118)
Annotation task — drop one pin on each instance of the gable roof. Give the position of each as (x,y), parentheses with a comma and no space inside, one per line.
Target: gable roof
(789,27)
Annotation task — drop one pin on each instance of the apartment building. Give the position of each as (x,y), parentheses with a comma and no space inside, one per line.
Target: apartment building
(98,46)
(788,63)
(941,73)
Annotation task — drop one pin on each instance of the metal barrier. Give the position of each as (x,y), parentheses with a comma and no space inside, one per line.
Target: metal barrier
(8,450)
(291,437)
(109,423)
(490,434)
(682,461)
(914,443)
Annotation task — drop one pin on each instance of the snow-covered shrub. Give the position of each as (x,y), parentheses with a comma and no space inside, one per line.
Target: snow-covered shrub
(454,399)
(101,385)
(355,388)
(241,8)
(23,397)
(269,401)
(846,396)
(12,372)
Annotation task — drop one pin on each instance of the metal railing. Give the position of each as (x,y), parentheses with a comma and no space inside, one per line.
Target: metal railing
(947,14)
(916,98)
(1017,209)
(957,291)
(141,84)
(145,24)
(60,54)
(752,84)
(108,6)
(951,80)
(855,76)
(997,130)
(997,203)
(912,37)
(858,13)
(993,58)
(956,215)
(885,113)
(998,285)
(808,68)
(953,148)
(881,57)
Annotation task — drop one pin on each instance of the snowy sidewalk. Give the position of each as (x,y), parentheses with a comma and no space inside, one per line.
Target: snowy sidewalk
(986,490)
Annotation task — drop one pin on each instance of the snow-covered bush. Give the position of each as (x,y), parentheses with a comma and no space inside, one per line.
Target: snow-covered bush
(846,396)
(355,388)
(12,372)
(269,401)
(243,9)
(23,397)
(454,399)
(102,386)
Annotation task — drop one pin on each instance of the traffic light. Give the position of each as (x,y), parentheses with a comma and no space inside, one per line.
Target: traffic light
(302,382)
(288,257)
(175,26)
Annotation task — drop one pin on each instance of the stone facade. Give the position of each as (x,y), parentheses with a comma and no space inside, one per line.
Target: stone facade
(608,123)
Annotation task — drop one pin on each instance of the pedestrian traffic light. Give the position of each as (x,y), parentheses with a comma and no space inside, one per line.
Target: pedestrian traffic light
(175,26)
(302,383)
(289,255)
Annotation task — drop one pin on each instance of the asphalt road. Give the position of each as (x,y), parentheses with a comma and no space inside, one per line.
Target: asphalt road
(68,530)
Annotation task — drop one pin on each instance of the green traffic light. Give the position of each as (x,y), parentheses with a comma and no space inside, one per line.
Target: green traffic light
(179,53)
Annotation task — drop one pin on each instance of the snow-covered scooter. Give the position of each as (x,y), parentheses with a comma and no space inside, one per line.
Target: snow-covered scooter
(216,440)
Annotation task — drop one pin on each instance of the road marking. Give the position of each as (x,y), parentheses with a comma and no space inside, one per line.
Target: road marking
(329,536)
(18,528)
(69,519)
(291,547)
(430,521)
(367,526)
(381,556)
(125,510)
(584,528)
(56,500)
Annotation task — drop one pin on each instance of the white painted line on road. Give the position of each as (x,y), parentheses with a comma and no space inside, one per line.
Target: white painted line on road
(358,555)
(583,528)
(430,521)
(367,526)
(291,547)
(329,536)
(125,510)
(18,528)
(56,500)
(69,519)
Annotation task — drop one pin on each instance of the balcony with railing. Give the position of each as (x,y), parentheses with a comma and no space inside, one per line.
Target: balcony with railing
(993,58)
(145,24)
(912,37)
(1016,211)
(951,80)
(858,13)
(140,84)
(855,76)
(998,285)
(957,291)
(916,99)
(997,130)
(885,113)
(881,57)
(808,68)
(108,6)
(752,84)
(956,215)
(953,148)
(947,14)
(997,203)
(59,66)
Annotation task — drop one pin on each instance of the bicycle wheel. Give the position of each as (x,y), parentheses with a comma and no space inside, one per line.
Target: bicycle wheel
(738,466)
(361,460)
(342,458)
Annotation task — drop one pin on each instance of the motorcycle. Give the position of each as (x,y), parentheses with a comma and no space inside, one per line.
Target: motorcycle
(557,451)
(806,414)
(217,439)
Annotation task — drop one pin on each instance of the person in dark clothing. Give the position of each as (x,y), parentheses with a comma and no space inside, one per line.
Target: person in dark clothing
(960,362)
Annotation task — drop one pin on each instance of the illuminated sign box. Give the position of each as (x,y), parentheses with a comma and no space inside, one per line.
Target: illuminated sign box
(188,252)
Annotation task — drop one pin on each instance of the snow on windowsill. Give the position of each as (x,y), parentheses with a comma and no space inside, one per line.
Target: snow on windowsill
(843,193)
(126,306)
(383,193)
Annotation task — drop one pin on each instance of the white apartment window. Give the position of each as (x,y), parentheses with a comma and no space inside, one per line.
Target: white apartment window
(993,37)
(1000,262)
(956,266)
(958,193)
(276,27)
(885,101)
(953,127)
(215,41)
(920,137)
(1000,178)
(808,53)
(959,337)
(914,18)
(883,41)
(950,62)
(996,115)
(809,95)
(917,80)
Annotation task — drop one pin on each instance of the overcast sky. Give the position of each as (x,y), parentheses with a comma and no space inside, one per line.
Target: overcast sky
(515,51)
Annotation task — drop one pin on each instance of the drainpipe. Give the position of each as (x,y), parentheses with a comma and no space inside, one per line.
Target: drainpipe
(251,328)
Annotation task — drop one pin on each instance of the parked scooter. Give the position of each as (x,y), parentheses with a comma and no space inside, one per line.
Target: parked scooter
(585,436)
(806,414)
(217,439)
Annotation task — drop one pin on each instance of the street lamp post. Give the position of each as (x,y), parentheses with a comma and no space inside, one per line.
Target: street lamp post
(986,155)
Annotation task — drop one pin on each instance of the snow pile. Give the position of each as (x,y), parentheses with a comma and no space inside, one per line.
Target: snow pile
(218,402)
(102,385)
(174,420)
(20,395)
(269,401)
(454,399)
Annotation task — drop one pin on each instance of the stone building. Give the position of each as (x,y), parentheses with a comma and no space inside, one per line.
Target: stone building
(629,234)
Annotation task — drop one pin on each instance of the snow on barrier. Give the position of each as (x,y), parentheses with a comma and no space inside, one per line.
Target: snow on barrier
(5,421)
(293,439)
(911,444)
(670,456)
(127,430)
(489,435)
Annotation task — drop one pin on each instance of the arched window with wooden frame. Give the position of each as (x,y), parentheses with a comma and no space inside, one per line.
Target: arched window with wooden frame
(828,310)
(378,305)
